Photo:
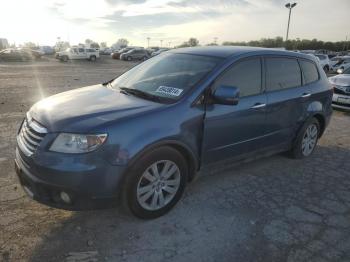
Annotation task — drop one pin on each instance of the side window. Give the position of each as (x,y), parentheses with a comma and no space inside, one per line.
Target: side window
(81,50)
(245,75)
(309,70)
(282,73)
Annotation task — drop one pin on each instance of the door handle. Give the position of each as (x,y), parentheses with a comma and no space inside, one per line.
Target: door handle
(305,95)
(258,105)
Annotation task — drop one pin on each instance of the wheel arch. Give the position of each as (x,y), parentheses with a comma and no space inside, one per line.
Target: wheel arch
(190,157)
(322,121)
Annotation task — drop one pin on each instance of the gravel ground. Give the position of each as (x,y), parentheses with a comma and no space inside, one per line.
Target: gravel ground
(271,209)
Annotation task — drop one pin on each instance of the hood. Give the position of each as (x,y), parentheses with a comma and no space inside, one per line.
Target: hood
(84,109)
(340,80)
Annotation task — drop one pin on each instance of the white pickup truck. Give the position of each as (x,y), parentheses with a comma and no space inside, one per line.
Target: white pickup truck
(74,53)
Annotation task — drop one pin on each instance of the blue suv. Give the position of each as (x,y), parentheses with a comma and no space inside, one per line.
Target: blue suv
(139,138)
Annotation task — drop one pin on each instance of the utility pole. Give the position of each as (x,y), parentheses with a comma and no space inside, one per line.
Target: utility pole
(345,43)
(215,40)
(290,7)
(161,43)
(148,38)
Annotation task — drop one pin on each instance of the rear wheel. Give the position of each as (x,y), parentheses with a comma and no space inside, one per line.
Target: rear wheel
(326,68)
(93,58)
(129,58)
(155,183)
(306,140)
(144,58)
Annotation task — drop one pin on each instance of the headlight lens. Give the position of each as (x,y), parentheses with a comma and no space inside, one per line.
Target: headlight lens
(77,143)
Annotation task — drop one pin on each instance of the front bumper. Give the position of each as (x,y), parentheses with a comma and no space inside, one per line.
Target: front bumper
(88,186)
(341,101)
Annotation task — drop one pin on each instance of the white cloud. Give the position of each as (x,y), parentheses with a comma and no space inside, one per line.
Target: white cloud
(43,21)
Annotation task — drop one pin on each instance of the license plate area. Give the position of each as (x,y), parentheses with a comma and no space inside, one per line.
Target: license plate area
(343,100)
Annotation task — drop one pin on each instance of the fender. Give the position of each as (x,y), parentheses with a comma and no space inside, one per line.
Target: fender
(316,109)
(185,150)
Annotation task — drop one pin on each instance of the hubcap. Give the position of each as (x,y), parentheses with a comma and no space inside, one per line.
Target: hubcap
(309,140)
(158,185)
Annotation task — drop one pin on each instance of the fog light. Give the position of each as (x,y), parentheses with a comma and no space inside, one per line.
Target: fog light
(65,197)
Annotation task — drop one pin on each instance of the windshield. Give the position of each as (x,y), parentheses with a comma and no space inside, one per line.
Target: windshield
(167,76)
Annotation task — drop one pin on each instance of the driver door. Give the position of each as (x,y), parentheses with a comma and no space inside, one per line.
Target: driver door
(81,53)
(233,130)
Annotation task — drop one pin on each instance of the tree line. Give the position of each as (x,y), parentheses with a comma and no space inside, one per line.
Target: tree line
(295,44)
(277,42)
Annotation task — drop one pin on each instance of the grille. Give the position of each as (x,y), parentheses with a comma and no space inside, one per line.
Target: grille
(30,136)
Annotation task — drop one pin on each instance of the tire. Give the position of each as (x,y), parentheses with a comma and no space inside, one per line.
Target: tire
(326,68)
(146,199)
(129,58)
(302,147)
(144,58)
(64,58)
(93,58)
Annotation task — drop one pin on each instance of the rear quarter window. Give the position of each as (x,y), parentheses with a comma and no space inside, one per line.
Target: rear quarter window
(310,71)
(282,73)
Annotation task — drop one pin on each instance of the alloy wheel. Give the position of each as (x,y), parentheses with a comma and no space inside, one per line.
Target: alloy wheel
(158,185)
(309,140)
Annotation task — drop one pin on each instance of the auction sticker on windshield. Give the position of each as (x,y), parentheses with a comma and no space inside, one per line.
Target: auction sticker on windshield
(170,91)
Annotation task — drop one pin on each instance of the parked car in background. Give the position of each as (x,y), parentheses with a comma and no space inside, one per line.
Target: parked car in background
(144,135)
(76,53)
(341,87)
(152,49)
(34,53)
(47,50)
(334,60)
(105,51)
(324,61)
(21,54)
(135,54)
(341,63)
(161,50)
(116,55)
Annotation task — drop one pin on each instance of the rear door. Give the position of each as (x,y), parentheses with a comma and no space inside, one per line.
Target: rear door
(232,130)
(287,98)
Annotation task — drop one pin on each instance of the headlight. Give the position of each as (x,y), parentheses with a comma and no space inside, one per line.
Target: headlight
(77,143)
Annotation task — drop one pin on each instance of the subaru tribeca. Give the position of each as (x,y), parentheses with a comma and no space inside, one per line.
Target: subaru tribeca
(141,137)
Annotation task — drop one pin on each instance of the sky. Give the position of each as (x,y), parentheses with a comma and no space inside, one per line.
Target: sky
(172,21)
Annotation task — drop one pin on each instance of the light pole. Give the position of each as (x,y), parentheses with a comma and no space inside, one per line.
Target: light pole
(148,38)
(161,43)
(289,6)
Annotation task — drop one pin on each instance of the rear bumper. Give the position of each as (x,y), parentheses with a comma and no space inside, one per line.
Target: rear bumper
(87,189)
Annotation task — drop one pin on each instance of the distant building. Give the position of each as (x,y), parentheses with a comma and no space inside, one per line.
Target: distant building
(3,43)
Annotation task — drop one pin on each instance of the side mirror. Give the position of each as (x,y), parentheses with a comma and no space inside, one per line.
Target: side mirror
(340,70)
(226,95)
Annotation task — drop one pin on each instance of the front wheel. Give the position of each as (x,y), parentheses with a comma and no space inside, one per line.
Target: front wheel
(155,183)
(306,140)
(93,58)
(129,58)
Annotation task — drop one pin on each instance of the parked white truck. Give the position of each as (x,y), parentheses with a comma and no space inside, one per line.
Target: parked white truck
(74,53)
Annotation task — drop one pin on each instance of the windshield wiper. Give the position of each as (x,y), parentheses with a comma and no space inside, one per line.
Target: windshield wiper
(140,93)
